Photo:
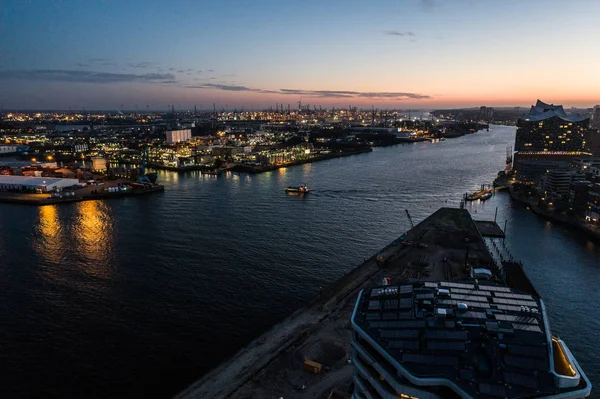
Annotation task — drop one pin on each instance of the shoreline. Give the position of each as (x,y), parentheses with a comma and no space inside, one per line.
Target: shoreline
(259,169)
(267,168)
(595,235)
(30,199)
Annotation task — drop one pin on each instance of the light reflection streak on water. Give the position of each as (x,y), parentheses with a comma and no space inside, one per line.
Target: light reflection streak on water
(93,236)
(51,234)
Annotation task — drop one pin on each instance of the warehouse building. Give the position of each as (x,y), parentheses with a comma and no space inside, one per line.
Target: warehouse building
(27,183)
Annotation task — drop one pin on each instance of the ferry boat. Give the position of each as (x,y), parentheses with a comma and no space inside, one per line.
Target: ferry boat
(303,189)
(486,196)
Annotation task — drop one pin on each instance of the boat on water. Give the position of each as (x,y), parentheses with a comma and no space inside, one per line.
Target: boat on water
(486,196)
(303,189)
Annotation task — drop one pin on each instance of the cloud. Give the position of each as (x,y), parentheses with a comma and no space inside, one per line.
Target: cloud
(78,76)
(82,65)
(142,65)
(397,33)
(98,59)
(226,87)
(172,69)
(314,93)
(428,5)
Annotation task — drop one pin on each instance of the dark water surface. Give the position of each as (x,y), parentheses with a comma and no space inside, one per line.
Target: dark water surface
(138,297)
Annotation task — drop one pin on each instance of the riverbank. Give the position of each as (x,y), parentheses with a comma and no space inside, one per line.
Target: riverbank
(323,157)
(557,218)
(47,199)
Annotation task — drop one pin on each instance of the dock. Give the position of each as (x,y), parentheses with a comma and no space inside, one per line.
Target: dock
(483,193)
(87,195)
(489,229)
(442,247)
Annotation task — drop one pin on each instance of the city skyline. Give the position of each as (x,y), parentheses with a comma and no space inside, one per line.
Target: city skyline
(398,54)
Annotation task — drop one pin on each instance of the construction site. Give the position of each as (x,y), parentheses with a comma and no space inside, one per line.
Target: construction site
(307,355)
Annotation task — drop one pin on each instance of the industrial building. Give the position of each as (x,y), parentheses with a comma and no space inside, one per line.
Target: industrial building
(27,183)
(178,136)
(469,339)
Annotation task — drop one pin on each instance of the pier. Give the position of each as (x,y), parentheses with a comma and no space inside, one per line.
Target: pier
(84,194)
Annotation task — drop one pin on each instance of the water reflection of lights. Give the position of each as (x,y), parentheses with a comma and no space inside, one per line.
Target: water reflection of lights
(93,235)
(50,244)
(281,172)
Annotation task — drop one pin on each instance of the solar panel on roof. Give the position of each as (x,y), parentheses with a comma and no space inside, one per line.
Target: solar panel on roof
(406,289)
(430,284)
(446,346)
(474,315)
(408,345)
(510,308)
(411,324)
(404,334)
(524,380)
(406,303)
(513,296)
(495,288)
(457,285)
(471,304)
(526,363)
(430,359)
(445,335)
(449,324)
(424,296)
(463,297)
(528,351)
(376,292)
(526,327)
(404,315)
(526,320)
(470,292)
(492,390)
(506,317)
(389,316)
(374,305)
(372,316)
(526,303)
(390,304)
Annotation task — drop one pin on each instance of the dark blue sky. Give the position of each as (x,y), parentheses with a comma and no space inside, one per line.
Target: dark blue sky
(417,53)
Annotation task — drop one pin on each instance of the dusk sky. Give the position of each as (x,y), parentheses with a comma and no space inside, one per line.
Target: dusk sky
(253,54)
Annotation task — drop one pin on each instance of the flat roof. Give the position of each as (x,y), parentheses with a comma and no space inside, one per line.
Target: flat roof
(34,181)
(495,348)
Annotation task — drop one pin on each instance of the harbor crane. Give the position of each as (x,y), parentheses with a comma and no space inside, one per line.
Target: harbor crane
(412,225)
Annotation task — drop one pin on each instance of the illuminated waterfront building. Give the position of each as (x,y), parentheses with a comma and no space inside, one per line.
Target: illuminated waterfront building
(547,130)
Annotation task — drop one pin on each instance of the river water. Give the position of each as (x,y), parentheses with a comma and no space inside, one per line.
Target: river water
(138,297)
